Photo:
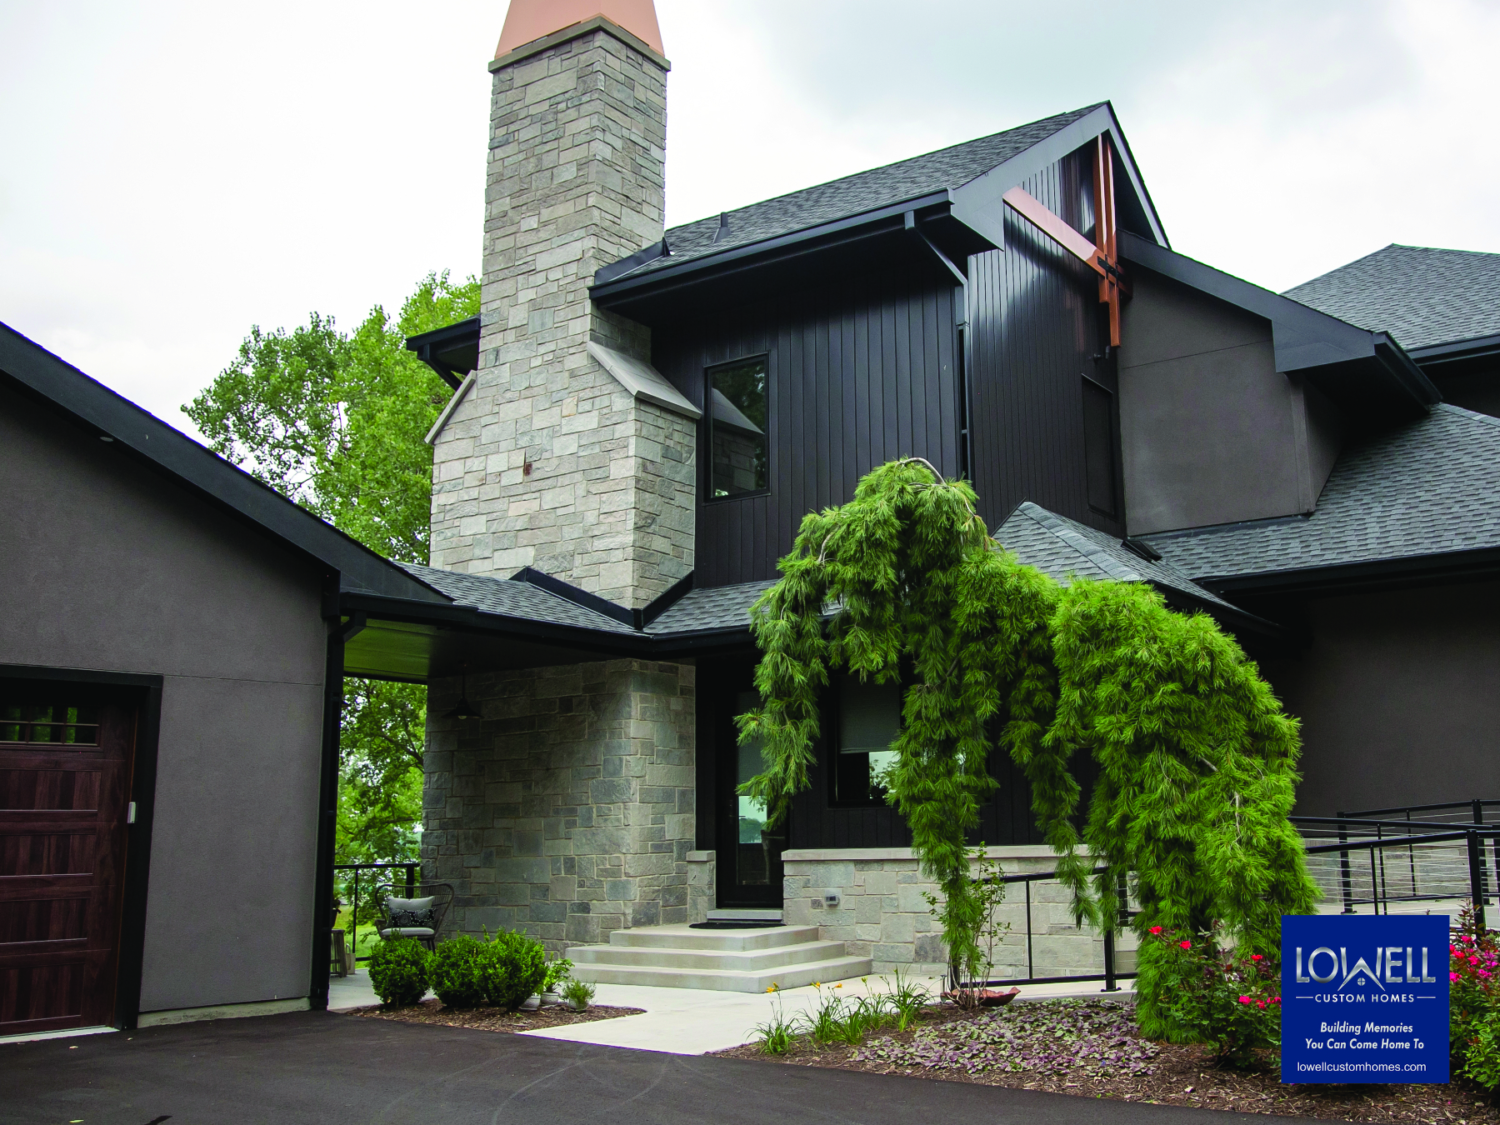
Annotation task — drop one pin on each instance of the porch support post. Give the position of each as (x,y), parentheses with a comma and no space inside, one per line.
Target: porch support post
(328,816)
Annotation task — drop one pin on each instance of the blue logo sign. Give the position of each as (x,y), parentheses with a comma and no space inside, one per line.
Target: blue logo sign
(1364,998)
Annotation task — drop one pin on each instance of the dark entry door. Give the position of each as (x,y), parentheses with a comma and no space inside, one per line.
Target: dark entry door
(749,854)
(64,782)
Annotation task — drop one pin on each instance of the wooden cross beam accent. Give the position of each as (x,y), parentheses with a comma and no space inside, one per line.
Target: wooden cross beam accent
(1103,258)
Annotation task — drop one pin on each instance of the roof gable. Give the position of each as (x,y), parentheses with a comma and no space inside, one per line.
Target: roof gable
(43,376)
(1420,295)
(971,177)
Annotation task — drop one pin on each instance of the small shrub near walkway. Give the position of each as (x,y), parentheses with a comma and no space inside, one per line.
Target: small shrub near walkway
(1091,1048)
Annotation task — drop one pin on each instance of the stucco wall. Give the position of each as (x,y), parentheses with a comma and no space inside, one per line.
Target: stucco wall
(108,566)
(1399,697)
(1210,432)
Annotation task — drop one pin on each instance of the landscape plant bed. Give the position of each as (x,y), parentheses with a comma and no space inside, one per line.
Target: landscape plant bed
(1089,1048)
(495,1019)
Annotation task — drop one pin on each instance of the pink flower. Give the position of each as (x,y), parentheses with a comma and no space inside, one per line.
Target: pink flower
(1256,957)
(1186,945)
(1244,999)
(1452,977)
(1156,929)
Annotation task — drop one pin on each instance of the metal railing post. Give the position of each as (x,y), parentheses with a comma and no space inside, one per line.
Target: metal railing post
(1476,878)
(1109,963)
(411,871)
(1030,967)
(1345,877)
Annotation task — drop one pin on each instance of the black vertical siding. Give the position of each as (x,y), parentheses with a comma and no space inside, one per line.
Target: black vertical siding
(1035,322)
(857,377)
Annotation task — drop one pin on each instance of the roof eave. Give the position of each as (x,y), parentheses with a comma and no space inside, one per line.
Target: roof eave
(1368,575)
(752,254)
(53,381)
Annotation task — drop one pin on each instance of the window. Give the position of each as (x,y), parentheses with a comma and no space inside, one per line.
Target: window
(1099,446)
(737,429)
(48,722)
(752,858)
(869,719)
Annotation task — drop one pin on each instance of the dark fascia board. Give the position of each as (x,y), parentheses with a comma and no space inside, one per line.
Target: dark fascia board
(1236,620)
(1456,350)
(751,254)
(1304,338)
(637,619)
(52,381)
(978,203)
(467,618)
(429,346)
(1377,574)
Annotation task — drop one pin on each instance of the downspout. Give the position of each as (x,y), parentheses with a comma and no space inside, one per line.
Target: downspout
(961,357)
(328,816)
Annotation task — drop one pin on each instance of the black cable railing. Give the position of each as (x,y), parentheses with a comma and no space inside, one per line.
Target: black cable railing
(355,901)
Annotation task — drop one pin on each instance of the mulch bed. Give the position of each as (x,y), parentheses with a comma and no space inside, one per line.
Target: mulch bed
(1136,1071)
(495,1019)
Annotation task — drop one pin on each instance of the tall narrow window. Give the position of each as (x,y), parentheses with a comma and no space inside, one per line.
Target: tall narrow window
(869,720)
(737,429)
(752,859)
(1099,446)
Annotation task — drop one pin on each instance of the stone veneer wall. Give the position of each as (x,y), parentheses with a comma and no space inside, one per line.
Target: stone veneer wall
(568,809)
(882,914)
(549,462)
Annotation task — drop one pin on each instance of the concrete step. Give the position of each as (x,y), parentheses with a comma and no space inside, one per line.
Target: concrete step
(685,937)
(724,980)
(699,960)
(749,914)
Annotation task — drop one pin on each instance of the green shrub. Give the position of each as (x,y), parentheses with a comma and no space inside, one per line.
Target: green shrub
(578,993)
(778,1033)
(557,972)
(398,971)
(1229,1000)
(511,967)
(1474,1004)
(455,972)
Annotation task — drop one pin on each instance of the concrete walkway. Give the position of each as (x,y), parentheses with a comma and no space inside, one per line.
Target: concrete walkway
(691,1021)
(313,1068)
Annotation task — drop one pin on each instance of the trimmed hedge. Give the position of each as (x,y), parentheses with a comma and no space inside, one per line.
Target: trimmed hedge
(512,966)
(398,971)
(455,972)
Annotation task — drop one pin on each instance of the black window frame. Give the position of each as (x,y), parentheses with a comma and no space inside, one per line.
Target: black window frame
(1111,456)
(708,428)
(832,725)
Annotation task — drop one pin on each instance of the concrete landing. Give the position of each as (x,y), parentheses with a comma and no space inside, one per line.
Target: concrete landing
(717,960)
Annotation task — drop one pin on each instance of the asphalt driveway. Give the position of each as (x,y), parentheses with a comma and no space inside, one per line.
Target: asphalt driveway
(325,1069)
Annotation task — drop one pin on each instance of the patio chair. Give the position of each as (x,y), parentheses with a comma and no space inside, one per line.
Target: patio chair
(419,917)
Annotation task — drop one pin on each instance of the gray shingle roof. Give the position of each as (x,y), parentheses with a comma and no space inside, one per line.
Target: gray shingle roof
(1065,548)
(717,607)
(1427,488)
(864,191)
(514,599)
(1419,295)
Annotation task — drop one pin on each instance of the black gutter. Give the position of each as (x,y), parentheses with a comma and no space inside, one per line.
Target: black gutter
(471,619)
(427,345)
(734,259)
(1404,370)
(1233,618)
(1377,574)
(1472,348)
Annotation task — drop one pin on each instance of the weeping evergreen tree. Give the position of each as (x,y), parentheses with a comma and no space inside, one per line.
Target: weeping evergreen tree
(1196,760)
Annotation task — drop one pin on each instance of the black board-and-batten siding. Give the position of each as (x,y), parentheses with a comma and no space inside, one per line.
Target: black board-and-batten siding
(856,377)
(868,369)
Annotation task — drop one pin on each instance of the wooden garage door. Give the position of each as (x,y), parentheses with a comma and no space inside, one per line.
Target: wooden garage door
(64,783)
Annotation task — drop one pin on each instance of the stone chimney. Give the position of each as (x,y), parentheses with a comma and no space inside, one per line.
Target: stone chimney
(568,453)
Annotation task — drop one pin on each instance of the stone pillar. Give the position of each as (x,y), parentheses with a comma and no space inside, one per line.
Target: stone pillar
(549,461)
(567,810)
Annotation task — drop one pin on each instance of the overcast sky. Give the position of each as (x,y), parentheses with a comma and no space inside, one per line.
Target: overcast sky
(175,172)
